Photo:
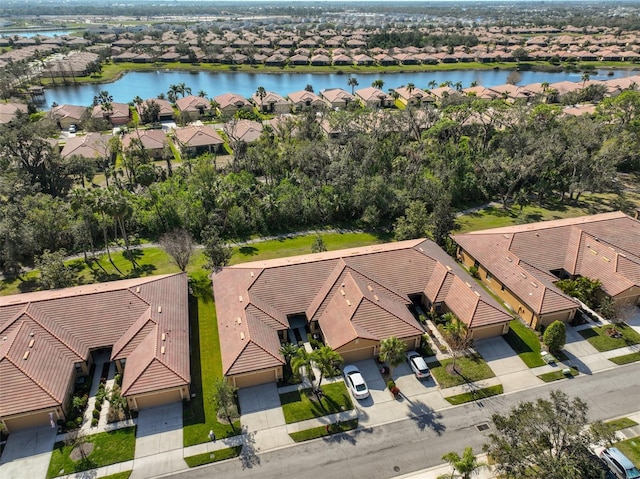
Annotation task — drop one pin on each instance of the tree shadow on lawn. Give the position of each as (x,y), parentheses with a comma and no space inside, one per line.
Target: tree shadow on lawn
(28,285)
(425,417)
(516,343)
(248,250)
(201,289)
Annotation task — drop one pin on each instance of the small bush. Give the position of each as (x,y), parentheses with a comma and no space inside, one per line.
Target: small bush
(96,413)
(94,422)
(555,336)
(473,271)
(72,424)
(391,384)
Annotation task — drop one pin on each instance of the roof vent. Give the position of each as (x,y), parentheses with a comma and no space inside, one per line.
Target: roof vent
(342,292)
(534,284)
(138,289)
(31,343)
(506,236)
(477,293)
(164,336)
(375,296)
(162,350)
(509,260)
(348,303)
(239,320)
(240,298)
(594,252)
(31,334)
(448,268)
(251,274)
(605,258)
(523,275)
(26,355)
(370,288)
(420,248)
(4,338)
(159,309)
(467,284)
(241,334)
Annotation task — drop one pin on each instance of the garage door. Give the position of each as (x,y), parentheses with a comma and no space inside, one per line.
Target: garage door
(255,379)
(158,399)
(357,354)
(487,332)
(30,420)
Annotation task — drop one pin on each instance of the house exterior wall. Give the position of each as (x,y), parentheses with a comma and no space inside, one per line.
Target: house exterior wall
(32,419)
(358,349)
(564,316)
(159,398)
(628,297)
(256,378)
(489,331)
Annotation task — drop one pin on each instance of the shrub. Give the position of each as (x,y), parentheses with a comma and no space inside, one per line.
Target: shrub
(78,420)
(94,422)
(555,336)
(391,384)
(473,271)
(96,413)
(117,379)
(71,424)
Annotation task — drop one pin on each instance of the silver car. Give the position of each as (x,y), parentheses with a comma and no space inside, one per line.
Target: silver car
(418,365)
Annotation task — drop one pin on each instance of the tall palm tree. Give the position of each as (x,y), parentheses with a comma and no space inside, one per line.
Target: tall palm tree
(377,84)
(261,93)
(410,88)
(172,94)
(432,84)
(465,465)
(202,94)
(302,360)
(392,351)
(585,78)
(288,351)
(352,82)
(326,360)
(183,89)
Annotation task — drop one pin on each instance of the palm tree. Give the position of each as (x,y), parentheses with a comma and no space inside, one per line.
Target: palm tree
(446,83)
(458,85)
(288,351)
(474,83)
(392,351)
(202,94)
(352,82)
(410,88)
(585,78)
(377,84)
(261,93)
(172,94)
(326,360)
(103,97)
(432,84)
(465,465)
(302,360)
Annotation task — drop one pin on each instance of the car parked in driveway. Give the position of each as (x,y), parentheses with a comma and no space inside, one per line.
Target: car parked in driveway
(73,128)
(619,464)
(418,365)
(355,382)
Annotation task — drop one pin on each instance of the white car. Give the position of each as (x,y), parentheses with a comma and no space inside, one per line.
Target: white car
(418,365)
(355,382)
(73,128)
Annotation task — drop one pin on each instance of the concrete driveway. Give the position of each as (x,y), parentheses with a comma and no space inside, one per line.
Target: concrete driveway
(262,418)
(159,441)
(27,453)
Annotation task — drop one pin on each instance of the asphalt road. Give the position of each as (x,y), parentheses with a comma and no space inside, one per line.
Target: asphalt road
(419,442)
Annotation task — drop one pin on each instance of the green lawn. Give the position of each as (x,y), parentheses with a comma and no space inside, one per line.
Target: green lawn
(557,375)
(475,395)
(625,359)
(108,448)
(471,368)
(118,475)
(322,431)
(524,341)
(622,423)
(599,339)
(631,449)
(199,415)
(209,457)
(297,406)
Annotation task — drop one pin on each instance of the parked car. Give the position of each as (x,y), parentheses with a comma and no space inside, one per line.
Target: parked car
(418,365)
(619,464)
(73,128)
(355,382)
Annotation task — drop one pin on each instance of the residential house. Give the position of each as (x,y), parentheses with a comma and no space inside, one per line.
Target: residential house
(230,103)
(8,111)
(117,114)
(153,142)
(413,97)
(271,103)
(352,299)
(305,99)
(193,106)
(165,109)
(51,338)
(92,146)
(371,97)
(337,98)
(521,263)
(67,115)
(195,140)
(246,131)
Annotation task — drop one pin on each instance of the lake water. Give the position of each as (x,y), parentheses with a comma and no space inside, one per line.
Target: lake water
(33,33)
(150,84)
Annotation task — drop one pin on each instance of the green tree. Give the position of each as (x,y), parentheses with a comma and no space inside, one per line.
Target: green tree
(555,336)
(415,222)
(547,438)
(224,400)
(582,288)
(327,361)
(54,274)
(179,245)
(466,464)
(377,84)
(457,336)
(288,351)
(261,93)
(302,360)
(217,252)
(392,351)
(318,245)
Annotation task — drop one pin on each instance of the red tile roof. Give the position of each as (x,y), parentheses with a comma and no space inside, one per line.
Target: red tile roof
(353,293)
(145,320)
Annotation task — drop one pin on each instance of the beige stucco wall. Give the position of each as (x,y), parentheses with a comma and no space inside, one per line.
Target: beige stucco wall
(159,398)
(255,378)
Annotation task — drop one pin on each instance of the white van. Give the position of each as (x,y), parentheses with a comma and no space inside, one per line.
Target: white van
(619,464)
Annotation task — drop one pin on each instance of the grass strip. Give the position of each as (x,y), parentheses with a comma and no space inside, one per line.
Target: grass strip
(301,405)
(469,369)
(214,456)
(600,339)
(625,359)
(118,475)
(631,449)
(108,448)
(557,375)
(525,343)
(475,395)
(322,431)
(622,423)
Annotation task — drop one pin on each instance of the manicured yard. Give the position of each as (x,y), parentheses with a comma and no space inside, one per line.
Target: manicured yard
(557,375)
(599,339)
(631,449)
(209,457)
(108,448)
(475,395)
(322,431)
(297,405)
(625,359)
(622,423)
(199,415)
(471,368)
(524,341)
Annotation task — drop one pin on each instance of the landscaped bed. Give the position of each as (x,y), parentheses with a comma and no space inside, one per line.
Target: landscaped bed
(476,395)
(302,405)
(103,449)
(214,456)
(322,431)
(601,339)
(470,368)
(625,359)
(524,341)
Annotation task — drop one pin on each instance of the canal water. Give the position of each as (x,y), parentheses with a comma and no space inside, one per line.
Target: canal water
(150,84)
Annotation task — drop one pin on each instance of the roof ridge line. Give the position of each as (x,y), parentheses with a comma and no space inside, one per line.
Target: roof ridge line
(60,339)
(35,381)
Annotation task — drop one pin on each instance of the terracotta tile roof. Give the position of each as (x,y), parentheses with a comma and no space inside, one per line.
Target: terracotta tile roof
(194,136)
(144,319)
(603,246)
(254,300)
(92,146)
(150,139)
(192,103)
